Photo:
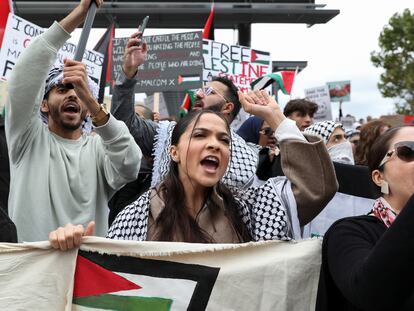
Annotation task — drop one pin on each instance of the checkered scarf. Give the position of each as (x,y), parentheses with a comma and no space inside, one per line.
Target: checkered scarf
(323,129)
(55,76)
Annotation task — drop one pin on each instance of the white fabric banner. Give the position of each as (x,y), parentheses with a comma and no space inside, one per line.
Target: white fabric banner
(271,275)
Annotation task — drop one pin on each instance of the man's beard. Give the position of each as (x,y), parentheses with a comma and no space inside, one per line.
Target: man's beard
(215,108)
(70,126)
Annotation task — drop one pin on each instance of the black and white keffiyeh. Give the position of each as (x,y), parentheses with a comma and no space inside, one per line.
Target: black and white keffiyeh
(55,76)
(323,129)
(265,211)
(241,169)
(269,211)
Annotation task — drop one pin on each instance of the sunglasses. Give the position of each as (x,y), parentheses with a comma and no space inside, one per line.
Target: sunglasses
(211,90)
(404,151)
(267,131)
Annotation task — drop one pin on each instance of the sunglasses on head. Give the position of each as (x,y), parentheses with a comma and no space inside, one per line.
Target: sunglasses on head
(404,151)
(211,90)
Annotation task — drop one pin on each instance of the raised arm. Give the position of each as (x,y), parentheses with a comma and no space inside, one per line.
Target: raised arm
(305,163)
(26,85)
(123,97)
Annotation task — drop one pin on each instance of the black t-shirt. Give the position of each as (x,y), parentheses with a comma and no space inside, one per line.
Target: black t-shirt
(366,266)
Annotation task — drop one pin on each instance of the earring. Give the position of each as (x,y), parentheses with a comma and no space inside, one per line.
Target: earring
(385,189)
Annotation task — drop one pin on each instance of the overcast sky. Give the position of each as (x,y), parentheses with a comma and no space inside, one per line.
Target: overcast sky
(338,50)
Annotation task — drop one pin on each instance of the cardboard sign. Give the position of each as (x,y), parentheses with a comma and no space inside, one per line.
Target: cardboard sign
(174,62)
(340,91)
(20,33)
(320,96)
(347,122)
(239,63)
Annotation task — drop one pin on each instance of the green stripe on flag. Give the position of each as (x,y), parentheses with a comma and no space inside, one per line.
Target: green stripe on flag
(263,62)
(261,82)
(124,303)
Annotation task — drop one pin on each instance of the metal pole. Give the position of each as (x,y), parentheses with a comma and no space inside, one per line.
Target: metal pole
(87,26)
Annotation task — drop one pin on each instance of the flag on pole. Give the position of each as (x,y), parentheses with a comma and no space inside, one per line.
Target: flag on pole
(6,8)
(208,33)
(104,46)
(284,80)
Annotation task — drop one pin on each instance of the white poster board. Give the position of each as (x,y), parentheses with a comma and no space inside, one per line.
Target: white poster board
(20,33)
(240,64)
(320,96)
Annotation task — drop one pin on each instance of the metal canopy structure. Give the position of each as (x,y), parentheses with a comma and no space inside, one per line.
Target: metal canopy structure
(181,14)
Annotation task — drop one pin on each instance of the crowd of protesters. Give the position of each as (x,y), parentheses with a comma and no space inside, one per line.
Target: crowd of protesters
(77,169)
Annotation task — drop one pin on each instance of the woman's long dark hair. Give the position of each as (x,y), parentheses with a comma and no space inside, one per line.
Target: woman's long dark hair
(175,216)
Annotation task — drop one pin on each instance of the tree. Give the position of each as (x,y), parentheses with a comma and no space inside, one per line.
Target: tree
(396,56)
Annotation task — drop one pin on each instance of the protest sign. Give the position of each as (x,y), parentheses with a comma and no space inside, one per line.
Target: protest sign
(347,122)
(320,96)
(241,64)
(128,275)
(20,33)
(174,62)
(340,91)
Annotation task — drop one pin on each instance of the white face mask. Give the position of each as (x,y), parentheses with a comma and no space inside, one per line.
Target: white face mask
(342,153)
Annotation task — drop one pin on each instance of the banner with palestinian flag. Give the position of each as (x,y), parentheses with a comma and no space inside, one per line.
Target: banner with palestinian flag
(160,276)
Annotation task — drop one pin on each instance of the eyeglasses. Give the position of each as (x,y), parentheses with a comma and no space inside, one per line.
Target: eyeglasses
(211,90)
(404,151)
(267,131)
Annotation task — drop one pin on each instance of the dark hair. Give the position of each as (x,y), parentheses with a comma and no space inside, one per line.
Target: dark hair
(175,216)
(301,105)
(231,94)
(369,132)
(146,112)
(380,148)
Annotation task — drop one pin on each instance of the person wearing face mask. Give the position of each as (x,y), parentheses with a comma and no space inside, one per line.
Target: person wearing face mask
(333,134)
(354,196)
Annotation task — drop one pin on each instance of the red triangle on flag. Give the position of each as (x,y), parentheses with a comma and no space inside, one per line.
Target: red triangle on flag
(253,56)
(91,279)
(288,77)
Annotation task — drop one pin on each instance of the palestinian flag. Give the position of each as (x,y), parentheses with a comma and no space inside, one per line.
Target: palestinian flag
(111,282)
(260,57)
(6,8)
(104,46)
(208,33)
(188,79)
(284,80)
(187,105)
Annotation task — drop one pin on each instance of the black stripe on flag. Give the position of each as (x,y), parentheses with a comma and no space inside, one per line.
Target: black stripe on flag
(205,276)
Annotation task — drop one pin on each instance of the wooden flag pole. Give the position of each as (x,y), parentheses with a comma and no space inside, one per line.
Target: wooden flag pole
(87,26)
(156,102)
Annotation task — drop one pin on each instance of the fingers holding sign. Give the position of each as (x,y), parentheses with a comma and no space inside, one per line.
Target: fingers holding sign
(70,236)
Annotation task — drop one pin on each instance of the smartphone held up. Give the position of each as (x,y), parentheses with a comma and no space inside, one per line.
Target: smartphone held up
(142,27)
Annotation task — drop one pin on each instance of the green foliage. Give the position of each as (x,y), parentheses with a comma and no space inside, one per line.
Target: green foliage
(396,56)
